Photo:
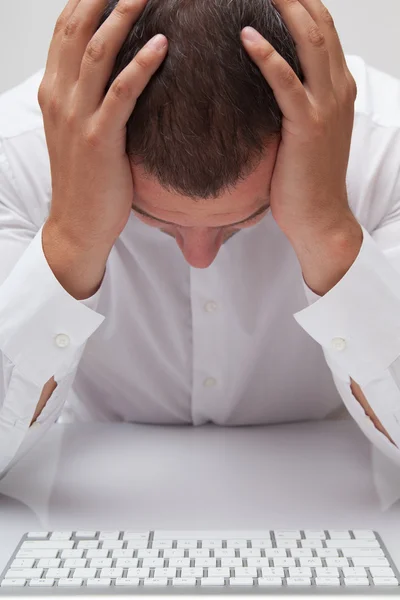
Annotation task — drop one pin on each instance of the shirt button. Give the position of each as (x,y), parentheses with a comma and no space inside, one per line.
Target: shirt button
(339,344)
(62,340)
(210,382)
(211,307)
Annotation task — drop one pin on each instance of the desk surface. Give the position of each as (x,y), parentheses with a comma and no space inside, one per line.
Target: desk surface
(122,476)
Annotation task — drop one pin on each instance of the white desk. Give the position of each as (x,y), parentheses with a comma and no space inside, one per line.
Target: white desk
(123,476)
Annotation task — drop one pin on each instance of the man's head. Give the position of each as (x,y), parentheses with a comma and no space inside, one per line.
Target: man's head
(204,134)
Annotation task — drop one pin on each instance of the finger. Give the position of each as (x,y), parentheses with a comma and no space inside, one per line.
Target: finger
(101,52)
(287,87)
(324,20)
(310,45)
(54,49)
(122,96)
(77,34)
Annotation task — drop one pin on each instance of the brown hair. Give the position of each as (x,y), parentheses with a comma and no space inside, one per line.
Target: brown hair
(203,121)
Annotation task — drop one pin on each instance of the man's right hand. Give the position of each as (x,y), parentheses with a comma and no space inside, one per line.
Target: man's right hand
(92,186)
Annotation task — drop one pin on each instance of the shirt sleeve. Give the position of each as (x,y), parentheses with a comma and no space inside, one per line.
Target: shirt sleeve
(43,330)
(357,323)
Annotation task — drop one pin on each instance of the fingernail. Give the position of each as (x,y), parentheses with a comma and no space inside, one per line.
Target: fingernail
(158,42)
(251,35)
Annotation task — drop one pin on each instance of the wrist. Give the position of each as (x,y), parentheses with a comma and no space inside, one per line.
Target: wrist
(80,271)
(325,259)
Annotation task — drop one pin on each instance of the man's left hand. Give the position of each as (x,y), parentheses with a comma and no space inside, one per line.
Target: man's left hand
(308,189)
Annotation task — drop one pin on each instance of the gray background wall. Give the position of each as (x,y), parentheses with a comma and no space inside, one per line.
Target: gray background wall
(367,27)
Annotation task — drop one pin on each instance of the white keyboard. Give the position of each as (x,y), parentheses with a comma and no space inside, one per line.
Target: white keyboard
(279,561)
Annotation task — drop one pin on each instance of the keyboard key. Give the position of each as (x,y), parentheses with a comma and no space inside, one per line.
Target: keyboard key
(362,552)
(270,581)
(211,544)
(302,552)
(38,534)
(13,582)
(352,543)
(366,534)
(213,581)
(47,545)
(231,562)
(141,572)
(184,581)
(186,544)
(238,581)
(112,544)
(24,573)
(137,535)
(275,552)
(337,562)
(155,562)
(281,534)
(174,553)
(326,552)
(354,572)
(310,562)
(156,581)
(41,582)
(298,580)
(87,544)
(61,535)
(331,572)
(58,573)
(125,553)
(258,562)
(126,563)
(85,534)
(74,563)
(219,572)
(95,582)
(356,581)
(339,535)
(149,553)
(96,563)
(97,553)
(50,563)
(382,572)
(385,581)
(85,573)
(273,572)
(109,535)
(135,544)
(180,562)
(75,553)
(192,572)
(227,552)
(26,563)
(284,562)
(127,581)
(168,572)
(243,572)
(70,582)
(261,543)
(162,544)
(372,561)
(315,534)
(205,562)
(37,553)
(312,543)
(114,573)
(330,581)
(236,543)
(300,572)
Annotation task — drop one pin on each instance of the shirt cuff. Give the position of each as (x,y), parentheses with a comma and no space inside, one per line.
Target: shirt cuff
(358,321)
(42,327)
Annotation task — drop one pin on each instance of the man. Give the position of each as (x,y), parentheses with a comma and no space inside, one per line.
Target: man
(275,201)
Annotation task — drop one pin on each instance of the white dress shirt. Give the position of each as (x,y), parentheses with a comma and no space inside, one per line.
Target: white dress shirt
(241,342)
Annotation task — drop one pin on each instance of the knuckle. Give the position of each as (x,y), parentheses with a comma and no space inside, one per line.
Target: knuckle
(42,95)
(120,90)
(327,18)
(143,59)
(60,25)
(72,27)
(353,87)
(287,77)
(124,8)
(92,137)
(54,107)
(95,50)
(316,37)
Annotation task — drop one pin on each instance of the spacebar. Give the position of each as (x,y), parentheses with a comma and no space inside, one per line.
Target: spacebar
(209,535)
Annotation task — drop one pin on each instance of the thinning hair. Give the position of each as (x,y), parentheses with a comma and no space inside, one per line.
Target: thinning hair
(204,120)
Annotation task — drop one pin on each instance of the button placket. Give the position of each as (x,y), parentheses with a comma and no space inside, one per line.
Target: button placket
(208,344)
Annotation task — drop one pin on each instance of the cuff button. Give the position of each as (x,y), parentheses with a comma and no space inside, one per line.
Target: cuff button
(339,344)
(62,340)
